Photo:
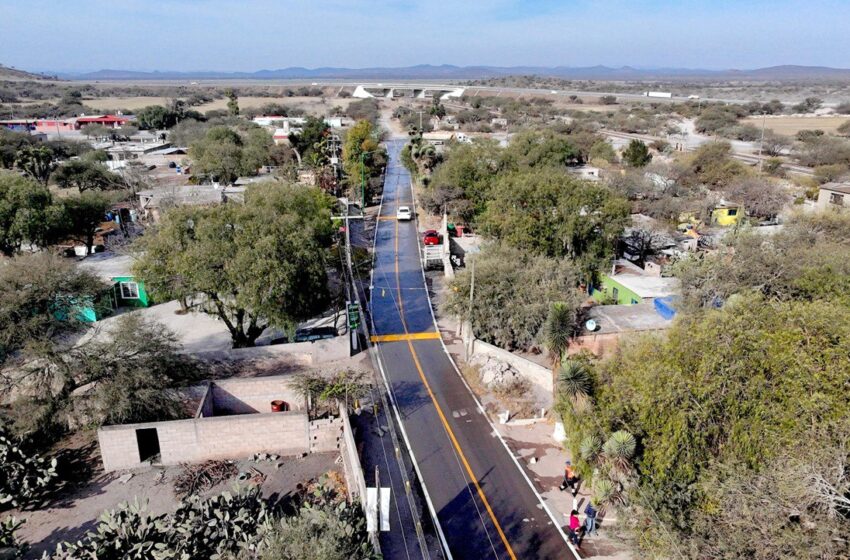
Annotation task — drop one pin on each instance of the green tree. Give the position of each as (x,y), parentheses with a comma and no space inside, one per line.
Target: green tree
(362,156)
(86,175)
(324,528)
(514,291)
(734,386)
(218,155)
(711,164)
(547,211)
(637,154)
(232,103)
(27,213)
(309,141)
(155,117)
(129,369)
(39,297)
(257,265)
(602,150)
(83,216)
(10,144)
(36,161)
(257,149)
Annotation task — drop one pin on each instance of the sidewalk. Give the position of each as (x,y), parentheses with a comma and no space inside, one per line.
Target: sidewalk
(527,441)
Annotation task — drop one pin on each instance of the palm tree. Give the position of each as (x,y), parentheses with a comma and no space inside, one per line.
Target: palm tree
(557,330)
(575,383)
(619,450)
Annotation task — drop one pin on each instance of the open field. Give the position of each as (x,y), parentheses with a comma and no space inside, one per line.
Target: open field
(128,103)
(310,104)
(789,126)
(313,105)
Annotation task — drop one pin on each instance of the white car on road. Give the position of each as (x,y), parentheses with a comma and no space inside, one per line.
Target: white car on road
(403,213)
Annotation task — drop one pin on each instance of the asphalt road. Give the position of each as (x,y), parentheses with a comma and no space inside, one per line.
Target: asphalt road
(485,506)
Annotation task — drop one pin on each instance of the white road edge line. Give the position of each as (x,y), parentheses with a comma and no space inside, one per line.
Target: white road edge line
(396,412)
(481,408)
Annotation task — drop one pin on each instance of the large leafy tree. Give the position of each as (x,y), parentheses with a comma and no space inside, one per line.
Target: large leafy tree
(727,394)
(86,175)
(39,298)
(83,215)
(514,291)
(120,374)
(549,212)
(27,213)
(309,141)
(809,259)
(156,117)
(257,265)
(362,155)
(37,162)
(224,154)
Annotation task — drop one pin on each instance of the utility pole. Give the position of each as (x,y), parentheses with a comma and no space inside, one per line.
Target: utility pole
(349,284)
(761,144)
(420,121)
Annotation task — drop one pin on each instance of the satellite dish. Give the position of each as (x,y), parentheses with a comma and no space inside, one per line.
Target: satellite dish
(591,325)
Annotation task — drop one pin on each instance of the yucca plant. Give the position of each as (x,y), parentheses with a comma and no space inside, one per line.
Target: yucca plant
(590,447)
(557,330)
(620,450)
(575,384)
(604,493)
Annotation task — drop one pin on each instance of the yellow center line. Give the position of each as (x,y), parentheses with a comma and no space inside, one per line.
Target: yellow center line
(431,335)
(442,416)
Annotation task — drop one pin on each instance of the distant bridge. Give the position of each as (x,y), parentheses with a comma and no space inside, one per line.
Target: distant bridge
(417,91)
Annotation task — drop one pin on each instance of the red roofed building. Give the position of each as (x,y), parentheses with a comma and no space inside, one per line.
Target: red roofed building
(106,120)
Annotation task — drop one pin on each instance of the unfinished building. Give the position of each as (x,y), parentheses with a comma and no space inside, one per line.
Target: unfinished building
(232,418)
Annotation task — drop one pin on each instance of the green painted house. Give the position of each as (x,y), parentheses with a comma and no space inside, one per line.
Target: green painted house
(629,284)
(125,289)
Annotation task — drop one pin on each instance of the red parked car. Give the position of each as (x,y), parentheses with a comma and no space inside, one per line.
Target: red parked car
(431,237)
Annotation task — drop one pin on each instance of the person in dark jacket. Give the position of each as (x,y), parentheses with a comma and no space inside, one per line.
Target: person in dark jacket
(590,520)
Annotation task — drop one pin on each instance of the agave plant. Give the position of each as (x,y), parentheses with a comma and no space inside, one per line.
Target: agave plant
(590,447)
(575,384)
(620,449)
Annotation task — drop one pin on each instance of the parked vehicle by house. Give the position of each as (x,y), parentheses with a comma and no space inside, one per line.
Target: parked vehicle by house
(431,237)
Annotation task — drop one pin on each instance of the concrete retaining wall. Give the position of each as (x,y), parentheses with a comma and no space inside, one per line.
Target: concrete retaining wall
(354,477)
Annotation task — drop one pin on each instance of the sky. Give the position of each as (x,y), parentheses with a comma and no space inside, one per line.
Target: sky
(249,35)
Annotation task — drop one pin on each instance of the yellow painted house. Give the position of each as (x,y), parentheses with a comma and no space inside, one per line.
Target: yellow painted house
(727,214)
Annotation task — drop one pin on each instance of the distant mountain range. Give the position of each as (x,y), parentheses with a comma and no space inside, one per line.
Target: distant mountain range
(450,72)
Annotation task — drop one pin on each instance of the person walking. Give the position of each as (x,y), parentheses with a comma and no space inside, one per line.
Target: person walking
(570,479)
(590,520)
(574,528)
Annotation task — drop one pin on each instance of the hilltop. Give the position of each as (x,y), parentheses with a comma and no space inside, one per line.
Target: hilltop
(13,74)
